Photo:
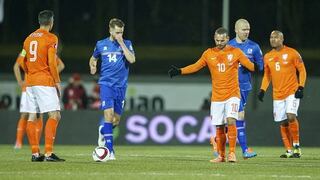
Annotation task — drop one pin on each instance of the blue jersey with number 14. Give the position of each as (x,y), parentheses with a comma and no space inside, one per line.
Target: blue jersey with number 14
(254,53)
(114,65)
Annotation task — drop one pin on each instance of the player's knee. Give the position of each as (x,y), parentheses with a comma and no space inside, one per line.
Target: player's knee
(109,116)
(241,115)
(291,117)
(55,115)
(24,115)
(231,121)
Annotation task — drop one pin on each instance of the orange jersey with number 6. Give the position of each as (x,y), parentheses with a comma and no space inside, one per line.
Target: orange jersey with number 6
(281,68)
(223,66)
(36,48)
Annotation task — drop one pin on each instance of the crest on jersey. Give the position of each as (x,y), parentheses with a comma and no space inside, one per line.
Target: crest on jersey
(105,48)
(229,57)
(284,56)
(249,51)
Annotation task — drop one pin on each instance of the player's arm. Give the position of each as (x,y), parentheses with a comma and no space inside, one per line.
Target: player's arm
(94,60)
(258,58)
(244,61)
(93,65)
(302,75)
(265,82)
(60,64)
(17,71)
(174,71)
(129,54)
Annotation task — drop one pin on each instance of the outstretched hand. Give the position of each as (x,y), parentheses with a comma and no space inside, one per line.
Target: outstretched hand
(174,71)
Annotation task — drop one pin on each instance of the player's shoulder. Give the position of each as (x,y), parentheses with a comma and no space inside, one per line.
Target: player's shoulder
(253,43)
(102,42)
(290,49)
(233,42)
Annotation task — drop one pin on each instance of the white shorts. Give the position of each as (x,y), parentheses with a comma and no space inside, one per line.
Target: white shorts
(23,102)
(220,111)
(282,107)
(42,99)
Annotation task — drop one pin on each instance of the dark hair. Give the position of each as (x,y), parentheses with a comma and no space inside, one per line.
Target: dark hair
(116,22)
(222,30)
(45,17)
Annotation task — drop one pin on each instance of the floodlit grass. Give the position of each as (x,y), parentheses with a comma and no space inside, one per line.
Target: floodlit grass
(158,162)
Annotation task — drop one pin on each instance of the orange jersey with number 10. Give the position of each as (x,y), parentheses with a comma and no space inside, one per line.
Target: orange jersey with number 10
(35,49)
(281,68)
(223,66)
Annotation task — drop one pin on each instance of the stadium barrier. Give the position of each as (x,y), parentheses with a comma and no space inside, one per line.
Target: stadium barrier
(169,128)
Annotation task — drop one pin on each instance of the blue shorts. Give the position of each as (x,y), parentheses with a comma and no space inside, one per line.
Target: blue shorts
(243,100)
(112,98)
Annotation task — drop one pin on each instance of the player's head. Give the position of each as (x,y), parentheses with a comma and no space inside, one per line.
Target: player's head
(221,37)
(276,39)
(45,18)
(242,29)
(116,26)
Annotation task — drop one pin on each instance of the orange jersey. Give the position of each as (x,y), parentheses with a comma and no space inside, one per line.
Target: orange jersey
(281,68)
(20,61)
(223,66)
(36,47)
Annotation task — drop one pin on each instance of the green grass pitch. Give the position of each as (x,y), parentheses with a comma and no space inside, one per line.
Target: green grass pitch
(158,162)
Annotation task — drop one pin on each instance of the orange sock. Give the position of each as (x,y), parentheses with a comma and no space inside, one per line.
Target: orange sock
(232,136)
(39,126)
(50,133)
(286,139)
(221,140)
(32,137)
(294,131)
(21,130)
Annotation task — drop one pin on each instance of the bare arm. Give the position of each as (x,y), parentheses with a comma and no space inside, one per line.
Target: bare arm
(93,65)
(127,53)
(17,73)
(61,65)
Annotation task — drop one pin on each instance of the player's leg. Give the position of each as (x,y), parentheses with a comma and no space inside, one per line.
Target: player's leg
(22,123)
(32,108)
(48,102)
(218,120)
(281,117)
(241,127)
(292,105)
(231,113)
(39,125)
(21,130)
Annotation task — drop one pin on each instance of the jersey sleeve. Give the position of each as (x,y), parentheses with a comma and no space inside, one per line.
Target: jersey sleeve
(53,43)
(244,60)
(129,46)
(298,62)
(96,52)
(258,57)
(196,66)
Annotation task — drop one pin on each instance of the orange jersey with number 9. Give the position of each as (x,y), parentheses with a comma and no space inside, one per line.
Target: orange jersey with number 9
(35,50)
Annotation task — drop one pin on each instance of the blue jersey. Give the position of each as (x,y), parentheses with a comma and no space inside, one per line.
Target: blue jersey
(114,65)
(254,53)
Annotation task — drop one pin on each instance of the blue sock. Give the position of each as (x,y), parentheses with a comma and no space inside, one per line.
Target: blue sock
(242,138)
(107,133)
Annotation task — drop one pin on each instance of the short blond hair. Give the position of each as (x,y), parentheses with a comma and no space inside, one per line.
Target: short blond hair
(116,22)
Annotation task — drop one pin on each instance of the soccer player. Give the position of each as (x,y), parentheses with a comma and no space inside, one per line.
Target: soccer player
(42,85)
(281,65)
(22,123)
(254,53)
(223,63)
(115,54)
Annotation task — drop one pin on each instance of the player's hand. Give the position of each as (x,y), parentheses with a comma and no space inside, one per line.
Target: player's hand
(299,92)
(93,70)
(21,84)
(119,38)
(261,95)
(174,71)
